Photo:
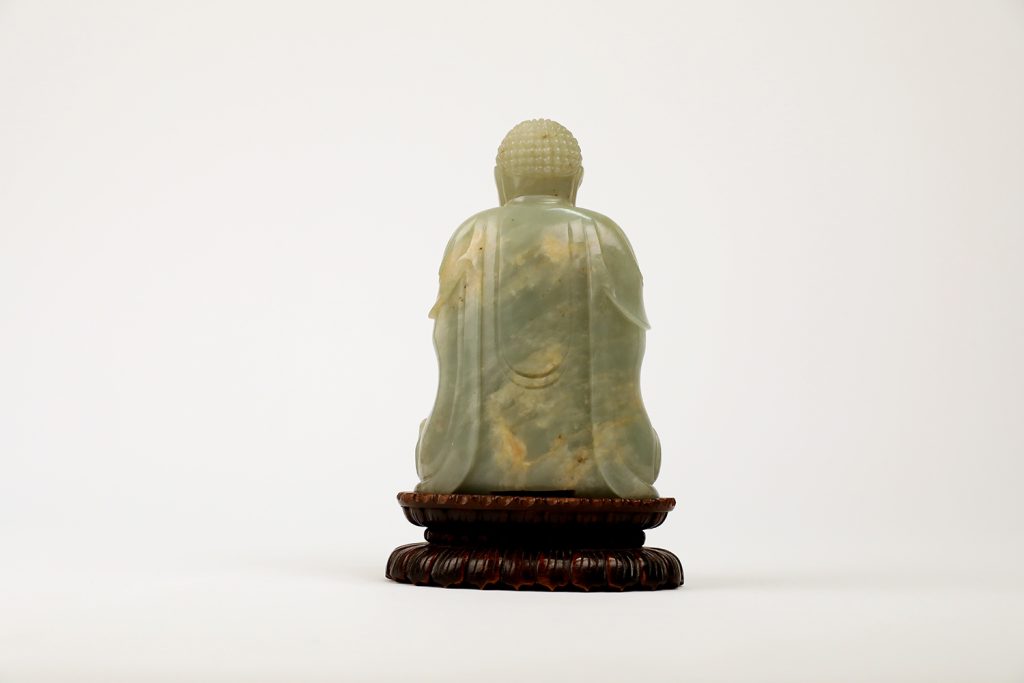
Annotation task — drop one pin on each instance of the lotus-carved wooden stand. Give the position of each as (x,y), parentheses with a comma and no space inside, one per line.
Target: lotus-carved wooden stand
(535,541)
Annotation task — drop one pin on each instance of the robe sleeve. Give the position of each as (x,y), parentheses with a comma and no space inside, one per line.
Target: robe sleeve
(449,437)
(625,283)
(453,264)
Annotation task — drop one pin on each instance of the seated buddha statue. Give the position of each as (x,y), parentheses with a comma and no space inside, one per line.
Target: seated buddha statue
(539,331)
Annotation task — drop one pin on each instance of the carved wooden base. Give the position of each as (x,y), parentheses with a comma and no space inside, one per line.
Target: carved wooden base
(427,564)
(534,542)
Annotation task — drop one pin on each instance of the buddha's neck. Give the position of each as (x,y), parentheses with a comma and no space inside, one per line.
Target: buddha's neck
(539,199)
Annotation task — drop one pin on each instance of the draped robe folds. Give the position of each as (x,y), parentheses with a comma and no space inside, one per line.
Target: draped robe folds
(539,331)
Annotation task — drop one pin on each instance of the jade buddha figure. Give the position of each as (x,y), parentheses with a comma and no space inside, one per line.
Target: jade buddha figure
(539,331)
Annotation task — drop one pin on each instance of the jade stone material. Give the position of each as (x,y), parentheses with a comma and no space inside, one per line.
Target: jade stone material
(539,331)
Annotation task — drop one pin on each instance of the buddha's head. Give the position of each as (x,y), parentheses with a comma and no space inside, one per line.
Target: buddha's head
(538,157)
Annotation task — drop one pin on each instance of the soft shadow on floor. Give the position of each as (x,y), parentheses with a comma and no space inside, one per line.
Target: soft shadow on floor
(323,568)
(901,580)
(927,579)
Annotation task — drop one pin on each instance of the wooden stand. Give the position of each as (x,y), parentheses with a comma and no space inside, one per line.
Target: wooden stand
(534,541)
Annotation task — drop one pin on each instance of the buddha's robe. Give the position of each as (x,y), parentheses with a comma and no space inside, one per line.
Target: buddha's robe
(539,333)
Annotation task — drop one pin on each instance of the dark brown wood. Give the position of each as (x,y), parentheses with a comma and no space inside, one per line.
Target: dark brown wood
(527,541)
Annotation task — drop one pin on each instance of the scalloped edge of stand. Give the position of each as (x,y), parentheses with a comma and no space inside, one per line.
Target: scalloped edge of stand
(590,570)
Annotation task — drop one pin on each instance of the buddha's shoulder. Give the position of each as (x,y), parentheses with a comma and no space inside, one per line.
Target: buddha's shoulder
(565,211)
(467,226)
(606,227)
(604,223)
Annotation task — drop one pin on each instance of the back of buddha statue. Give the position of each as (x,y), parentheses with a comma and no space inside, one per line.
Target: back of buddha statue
(540,334)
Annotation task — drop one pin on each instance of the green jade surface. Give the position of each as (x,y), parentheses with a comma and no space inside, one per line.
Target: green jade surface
(539,331)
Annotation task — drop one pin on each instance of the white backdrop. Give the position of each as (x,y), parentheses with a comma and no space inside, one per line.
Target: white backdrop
(220,227)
